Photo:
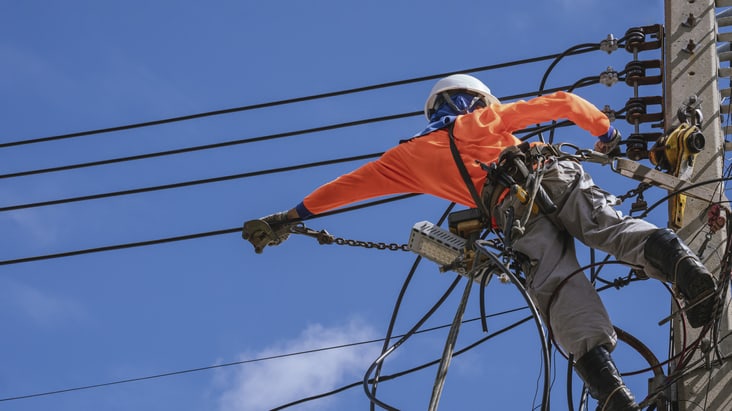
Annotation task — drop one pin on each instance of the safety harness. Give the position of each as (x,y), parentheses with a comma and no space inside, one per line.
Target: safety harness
(518,171)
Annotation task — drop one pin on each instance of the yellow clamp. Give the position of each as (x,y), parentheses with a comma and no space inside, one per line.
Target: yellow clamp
(675,154)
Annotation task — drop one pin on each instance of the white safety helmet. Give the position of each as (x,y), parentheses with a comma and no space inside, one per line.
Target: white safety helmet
(458,82)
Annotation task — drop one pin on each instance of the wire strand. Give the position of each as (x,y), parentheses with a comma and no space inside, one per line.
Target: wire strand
(229,364)
(189,183)
(213,179)
(278,102)
(185,237)
(230,143)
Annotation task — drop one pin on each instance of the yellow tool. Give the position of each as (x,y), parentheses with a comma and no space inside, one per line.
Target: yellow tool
(523,197)
(675,155)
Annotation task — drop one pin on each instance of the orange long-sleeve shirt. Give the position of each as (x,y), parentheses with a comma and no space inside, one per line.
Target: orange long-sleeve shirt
(425,164)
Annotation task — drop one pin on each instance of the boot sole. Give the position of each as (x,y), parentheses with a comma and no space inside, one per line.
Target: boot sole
(702,288)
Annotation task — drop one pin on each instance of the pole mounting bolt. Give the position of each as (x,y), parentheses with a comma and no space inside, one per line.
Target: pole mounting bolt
(690,46)
(690,21)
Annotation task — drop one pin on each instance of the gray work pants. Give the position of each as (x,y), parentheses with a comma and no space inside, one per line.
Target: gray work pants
(577,317)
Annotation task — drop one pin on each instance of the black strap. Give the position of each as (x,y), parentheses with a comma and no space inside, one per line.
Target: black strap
(485,213)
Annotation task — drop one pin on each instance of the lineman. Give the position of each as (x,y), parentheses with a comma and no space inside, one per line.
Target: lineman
(461,107)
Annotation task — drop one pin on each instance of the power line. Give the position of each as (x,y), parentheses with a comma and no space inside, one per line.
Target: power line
(206,180)
(252,139)
(189,183)
(411,370)
(230,364)
(209,146)
(279,102)
(184,237)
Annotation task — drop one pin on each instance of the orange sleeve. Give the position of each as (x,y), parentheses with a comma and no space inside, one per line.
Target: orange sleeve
(423,165)
(555,106)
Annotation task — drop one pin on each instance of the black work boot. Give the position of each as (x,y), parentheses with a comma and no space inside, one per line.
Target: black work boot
(666,252)
(598,371)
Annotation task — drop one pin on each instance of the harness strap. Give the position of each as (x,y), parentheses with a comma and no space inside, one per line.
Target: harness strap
(485,213)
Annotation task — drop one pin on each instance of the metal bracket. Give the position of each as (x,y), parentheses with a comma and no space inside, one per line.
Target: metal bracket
(637,171)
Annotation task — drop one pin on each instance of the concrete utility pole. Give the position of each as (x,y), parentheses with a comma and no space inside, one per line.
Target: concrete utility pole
(692,68)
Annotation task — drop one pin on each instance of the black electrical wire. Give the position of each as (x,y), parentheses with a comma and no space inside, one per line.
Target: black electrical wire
(158,241)
(537,321)
(545,77)
(229,143)
(208,146)
(184,183)
(586,47)
(392,321)
(238,229)
(405,337)
(189,183)
(277,103)
(681,191)
(229,364)
(411,370)
(397,306)
(186,237)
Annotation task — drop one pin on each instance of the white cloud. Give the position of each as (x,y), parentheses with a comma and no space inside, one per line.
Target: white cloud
(271,383)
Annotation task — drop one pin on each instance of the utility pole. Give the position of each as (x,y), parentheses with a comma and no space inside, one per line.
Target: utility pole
(692,70)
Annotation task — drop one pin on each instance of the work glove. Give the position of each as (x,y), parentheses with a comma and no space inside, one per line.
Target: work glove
(608,143)
(269,230)
(280,224)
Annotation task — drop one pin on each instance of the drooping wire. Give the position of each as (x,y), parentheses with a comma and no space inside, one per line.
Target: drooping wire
(229,364)
(397,306)
(411,370)
(586,47)
(367,376)
(237,229)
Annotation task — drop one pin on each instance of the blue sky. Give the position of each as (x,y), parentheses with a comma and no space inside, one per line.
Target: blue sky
(105,317)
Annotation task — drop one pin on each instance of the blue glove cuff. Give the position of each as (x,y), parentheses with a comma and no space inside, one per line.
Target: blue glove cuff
(302,211)
(607,137)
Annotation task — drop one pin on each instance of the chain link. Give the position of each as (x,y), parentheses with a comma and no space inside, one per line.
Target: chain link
(638,191)
(324,237)
(371,244)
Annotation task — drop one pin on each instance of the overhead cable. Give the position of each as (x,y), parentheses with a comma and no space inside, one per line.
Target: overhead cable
(278,102)
(201,181)
(207,146)
(411,370)
(397,307)
(186,237)
(247,140)
(189,183)
(230,364)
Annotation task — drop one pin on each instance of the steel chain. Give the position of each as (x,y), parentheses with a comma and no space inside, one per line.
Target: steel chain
(324,237)
(371,244)
(635,192)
